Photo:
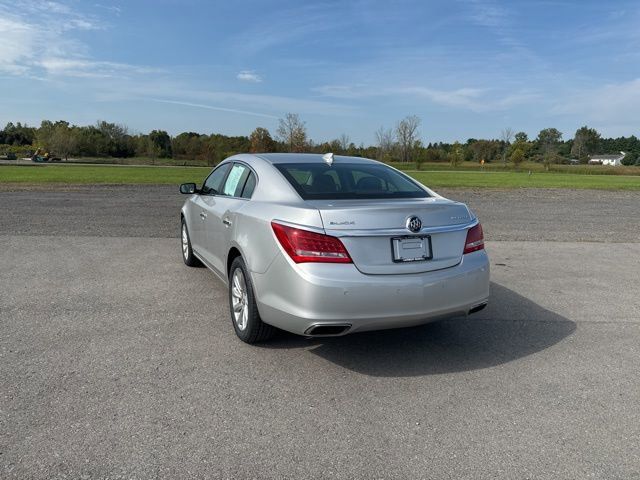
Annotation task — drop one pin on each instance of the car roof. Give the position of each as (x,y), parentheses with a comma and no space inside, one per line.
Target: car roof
(274,158)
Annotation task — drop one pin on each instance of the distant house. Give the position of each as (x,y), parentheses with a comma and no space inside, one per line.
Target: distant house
(614,159)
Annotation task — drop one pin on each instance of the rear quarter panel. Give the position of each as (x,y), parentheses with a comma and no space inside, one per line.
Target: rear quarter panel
(253,234)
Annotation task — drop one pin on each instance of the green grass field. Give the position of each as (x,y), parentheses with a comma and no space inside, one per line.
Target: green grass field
(100,174)
(532,167)
(81,174)
(496,166)
(524,180)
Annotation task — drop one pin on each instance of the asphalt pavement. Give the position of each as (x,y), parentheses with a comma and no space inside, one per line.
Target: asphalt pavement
(118,361)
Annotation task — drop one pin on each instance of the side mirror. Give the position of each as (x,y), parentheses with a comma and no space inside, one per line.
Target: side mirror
(188,188)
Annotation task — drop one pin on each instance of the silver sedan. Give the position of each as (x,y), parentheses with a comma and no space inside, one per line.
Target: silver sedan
(323,245)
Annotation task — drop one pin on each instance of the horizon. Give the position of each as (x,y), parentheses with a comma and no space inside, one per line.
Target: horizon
(314,141)
(344,68)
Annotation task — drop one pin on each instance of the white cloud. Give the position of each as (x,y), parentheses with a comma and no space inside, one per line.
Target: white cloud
(461,97)
(467,98)
(499,18)
(474,99)
(214,107)
(360,90)
(17,46)
(487,14)
(249,76)
(275,103)
(38,39)
(115,9)
(282,27)
(614,103)
(74,67)
(172,90)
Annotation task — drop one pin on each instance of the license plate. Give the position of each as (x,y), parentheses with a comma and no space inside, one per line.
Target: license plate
(411,249)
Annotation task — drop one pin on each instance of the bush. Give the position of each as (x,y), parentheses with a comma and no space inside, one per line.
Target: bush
(16,150)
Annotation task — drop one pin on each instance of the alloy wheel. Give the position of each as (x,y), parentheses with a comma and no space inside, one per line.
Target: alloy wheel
(239,299)
(185,241)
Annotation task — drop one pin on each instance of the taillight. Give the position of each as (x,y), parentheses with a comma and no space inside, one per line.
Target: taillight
(304,246)
(475,240)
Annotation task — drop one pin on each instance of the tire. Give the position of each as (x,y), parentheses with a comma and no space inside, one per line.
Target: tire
(187,252)
(242,306)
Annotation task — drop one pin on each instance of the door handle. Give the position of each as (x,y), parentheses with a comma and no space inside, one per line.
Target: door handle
(203,215)
(226,221)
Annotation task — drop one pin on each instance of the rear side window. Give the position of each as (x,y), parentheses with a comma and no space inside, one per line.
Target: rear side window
(235,180)
(344,181)
(231,180)
(249,186)
(240,182)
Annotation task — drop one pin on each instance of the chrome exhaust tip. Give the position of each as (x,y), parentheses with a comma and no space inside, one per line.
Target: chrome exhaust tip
(327,330)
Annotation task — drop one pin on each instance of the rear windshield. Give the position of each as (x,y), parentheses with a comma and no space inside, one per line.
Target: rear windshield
(344,181)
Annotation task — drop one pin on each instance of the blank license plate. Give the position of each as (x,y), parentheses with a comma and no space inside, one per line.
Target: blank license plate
(411,249)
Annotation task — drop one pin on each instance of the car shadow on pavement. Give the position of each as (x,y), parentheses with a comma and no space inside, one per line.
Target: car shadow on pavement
(511,327)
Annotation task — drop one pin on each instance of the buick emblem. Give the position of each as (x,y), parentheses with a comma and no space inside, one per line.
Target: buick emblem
(414,224)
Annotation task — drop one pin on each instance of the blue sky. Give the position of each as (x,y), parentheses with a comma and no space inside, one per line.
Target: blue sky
(467,68)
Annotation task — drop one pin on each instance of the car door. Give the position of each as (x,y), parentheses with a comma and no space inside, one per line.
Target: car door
(220,211)
(199,204)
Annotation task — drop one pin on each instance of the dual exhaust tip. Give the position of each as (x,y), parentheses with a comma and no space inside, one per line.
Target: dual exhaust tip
(334,330)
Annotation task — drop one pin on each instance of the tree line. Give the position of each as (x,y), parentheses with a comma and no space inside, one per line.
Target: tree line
(400,143)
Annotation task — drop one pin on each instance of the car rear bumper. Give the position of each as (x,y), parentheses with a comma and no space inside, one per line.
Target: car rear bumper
(297,297)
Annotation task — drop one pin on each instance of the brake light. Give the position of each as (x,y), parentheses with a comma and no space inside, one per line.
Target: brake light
(475,240)
(304,246)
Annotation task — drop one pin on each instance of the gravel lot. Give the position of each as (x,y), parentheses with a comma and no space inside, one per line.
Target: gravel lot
(150,211)
(117,361)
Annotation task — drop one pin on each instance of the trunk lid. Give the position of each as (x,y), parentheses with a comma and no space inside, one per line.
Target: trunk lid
(368,228)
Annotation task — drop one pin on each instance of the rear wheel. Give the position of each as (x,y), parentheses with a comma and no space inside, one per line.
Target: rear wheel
(242,305)
(187,252)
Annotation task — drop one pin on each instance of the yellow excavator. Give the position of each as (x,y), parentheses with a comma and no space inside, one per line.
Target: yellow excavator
(40,156)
